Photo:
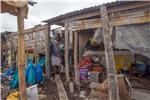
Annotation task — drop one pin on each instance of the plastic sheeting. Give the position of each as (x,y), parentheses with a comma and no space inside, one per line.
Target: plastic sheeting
(136,38)
(98,36)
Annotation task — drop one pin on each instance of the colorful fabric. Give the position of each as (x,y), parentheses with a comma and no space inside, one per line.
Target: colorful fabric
(85,61)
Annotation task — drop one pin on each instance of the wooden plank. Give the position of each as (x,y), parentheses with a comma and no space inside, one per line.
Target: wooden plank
(32,30)
(47,51)
(66,51)
(110,62)
(21,55)
(138,17)
(76,57)
(61,90)
(102,53)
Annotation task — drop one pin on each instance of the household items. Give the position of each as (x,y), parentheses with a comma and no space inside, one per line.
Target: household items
(139,69)
(96,76)
(83,72)
(85,60)
(84,65)
(97,68)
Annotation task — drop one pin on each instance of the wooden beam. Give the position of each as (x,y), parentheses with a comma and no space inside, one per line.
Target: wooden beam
(47,52)
(110,63)
(138,17)
(67,51)
(61,90)
(21,55)
(76,57)
(32,30)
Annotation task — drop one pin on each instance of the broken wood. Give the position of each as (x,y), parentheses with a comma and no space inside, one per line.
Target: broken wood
(60,87)
(67,51)
(110,63)
(21,55)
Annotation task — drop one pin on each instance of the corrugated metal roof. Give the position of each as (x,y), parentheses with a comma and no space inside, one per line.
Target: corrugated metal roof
(85,10)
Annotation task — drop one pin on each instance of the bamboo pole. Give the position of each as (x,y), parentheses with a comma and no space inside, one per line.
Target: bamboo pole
(21,55)
(110,63)
(66,52)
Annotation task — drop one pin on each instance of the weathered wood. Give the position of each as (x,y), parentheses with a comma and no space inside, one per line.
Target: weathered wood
(123,7)
(47,52)
(137,17)
(61,90)
(110,63)
(66,51)
(32,30)
(35,43)
(21,55)
(76,57)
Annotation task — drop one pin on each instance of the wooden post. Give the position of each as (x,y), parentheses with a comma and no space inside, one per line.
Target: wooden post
(47,52)
(110,63)
(35,43)
(21,55)
(76,57)
(66,52)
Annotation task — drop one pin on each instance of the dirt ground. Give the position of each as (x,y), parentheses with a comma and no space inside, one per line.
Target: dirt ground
(48,91)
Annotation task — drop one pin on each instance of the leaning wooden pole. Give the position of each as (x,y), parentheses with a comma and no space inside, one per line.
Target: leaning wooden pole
(110,63)
(66,51)
(21,55)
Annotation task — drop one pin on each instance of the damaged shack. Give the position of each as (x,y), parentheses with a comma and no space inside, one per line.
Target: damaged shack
(98,53)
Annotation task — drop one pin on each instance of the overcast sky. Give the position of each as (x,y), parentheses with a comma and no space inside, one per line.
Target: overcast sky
(45,10)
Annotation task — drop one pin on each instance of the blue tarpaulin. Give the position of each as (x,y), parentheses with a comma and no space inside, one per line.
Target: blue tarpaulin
(39,71)
(33,75)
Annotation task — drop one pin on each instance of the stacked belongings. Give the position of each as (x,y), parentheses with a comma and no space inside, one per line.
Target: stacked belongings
(90,66)
(98,72)
(84,66)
